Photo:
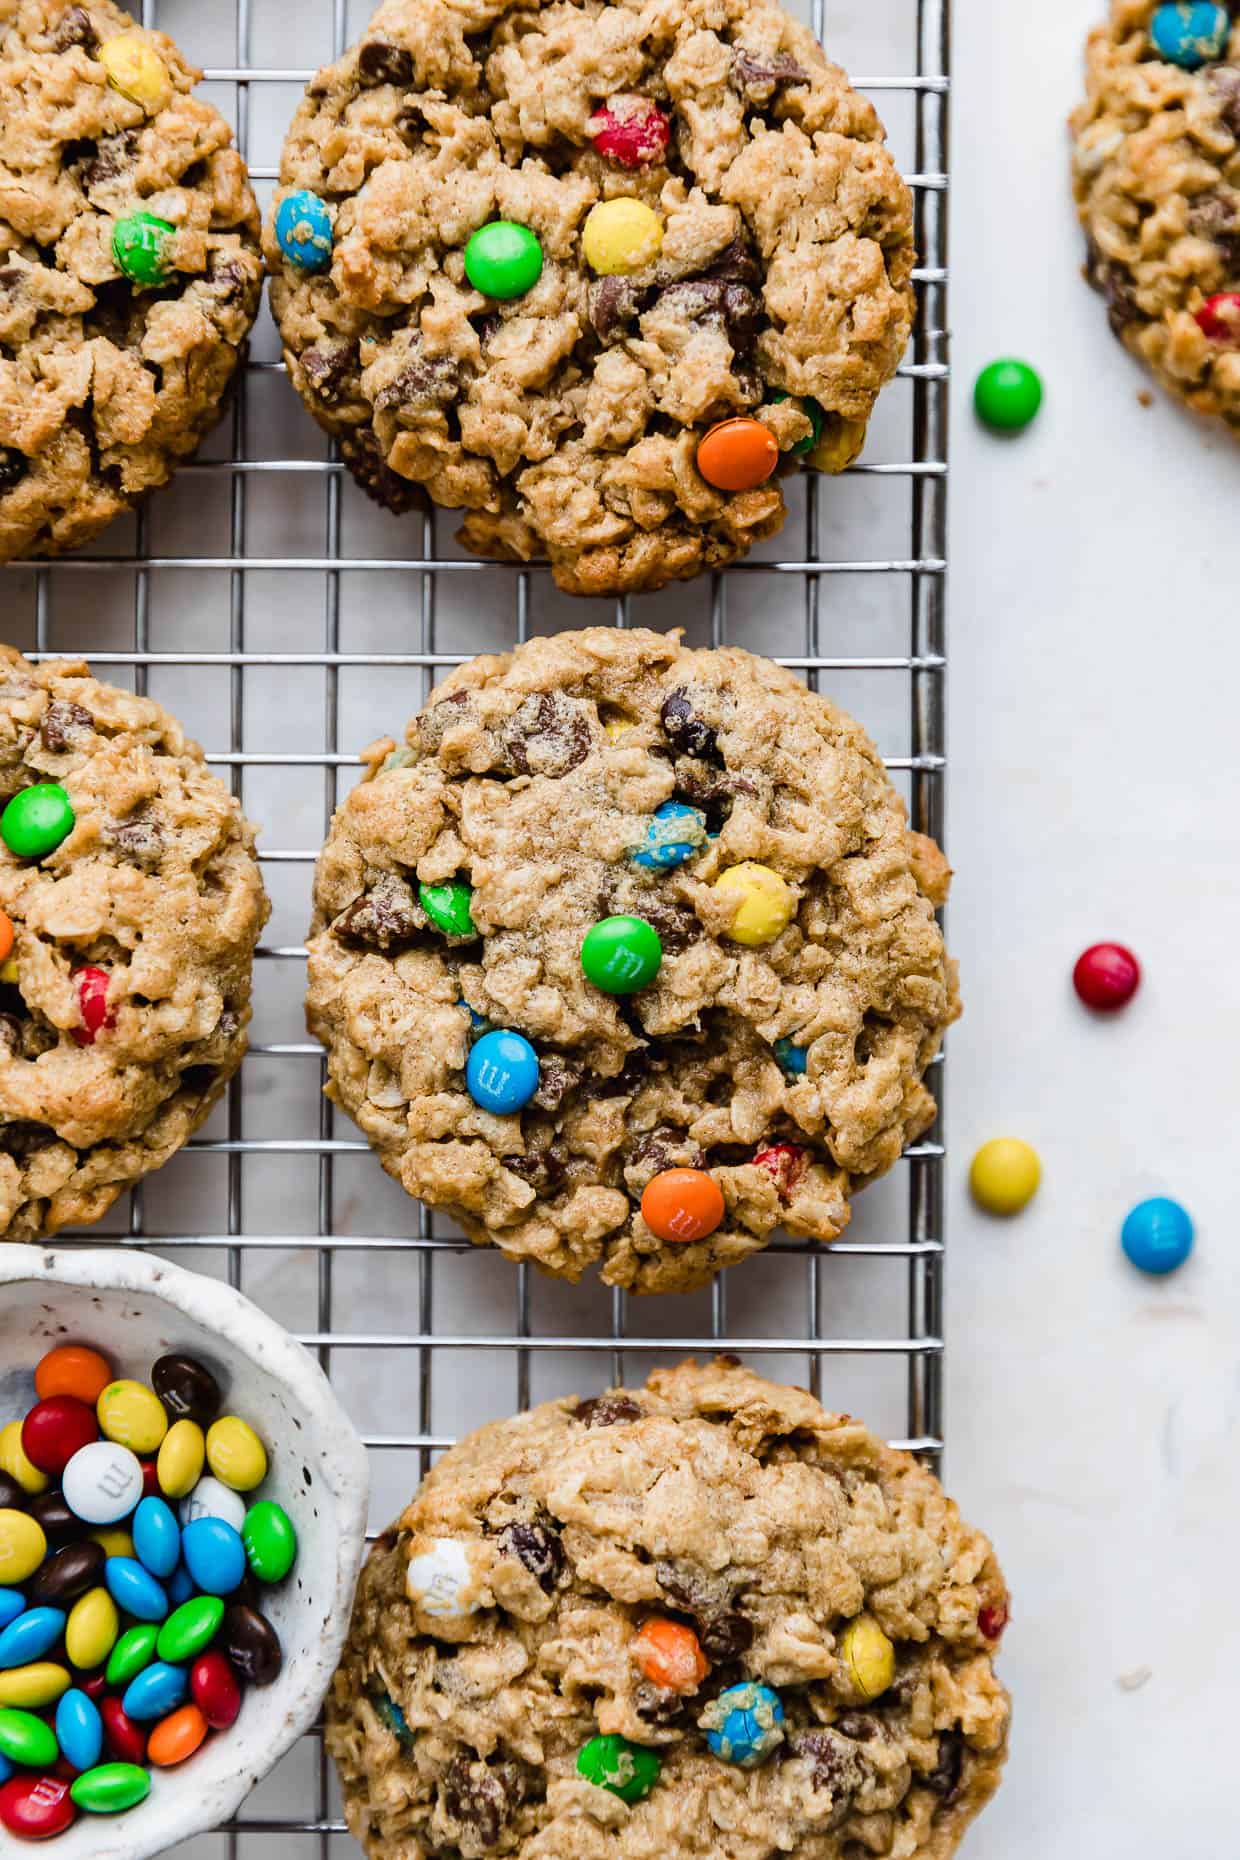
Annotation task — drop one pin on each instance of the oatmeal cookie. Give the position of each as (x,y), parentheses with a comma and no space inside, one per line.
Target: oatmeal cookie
(1156,170)
(125,1001)
(778,1056)
(130,269)
(766,250)
(700,1619)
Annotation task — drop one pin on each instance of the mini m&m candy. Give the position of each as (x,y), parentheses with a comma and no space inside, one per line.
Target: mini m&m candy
(1106,977)
(125,1740)
(738,454)
(134,1589)
(744,1725)
(92,986)
(674,833)
(91,1633)
(1007,395)
(79,1730)
(26,1740)
(156,1538)
(503,260)
(868,1658)
(304,231)
(1157,1235)
(34,1688)
(785,1163)
(157,1690)
(1005,1175)
(683,1205)
(36,821)
(140,244)
(669,1655)
(626,1769)
(1191,34)
(630,131)
(214,1556)
(270,1541)
(6,936)
(502,1072)
(66,1574)
(190,1630)
(1219,318)
(177,1737)
(215,1690)
(251,1645)
(133,1653)
(621,235)
(765,904)
(621,955)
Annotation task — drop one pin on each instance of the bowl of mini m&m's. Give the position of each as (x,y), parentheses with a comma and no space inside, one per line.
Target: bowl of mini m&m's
(182,1520)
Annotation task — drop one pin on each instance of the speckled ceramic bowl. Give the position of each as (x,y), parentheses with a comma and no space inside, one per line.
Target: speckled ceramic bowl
(135,1308)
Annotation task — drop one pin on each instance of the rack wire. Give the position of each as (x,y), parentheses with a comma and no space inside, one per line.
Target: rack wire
(208,599)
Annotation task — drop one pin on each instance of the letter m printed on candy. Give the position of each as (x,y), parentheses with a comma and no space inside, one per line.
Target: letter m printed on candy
(114,1480)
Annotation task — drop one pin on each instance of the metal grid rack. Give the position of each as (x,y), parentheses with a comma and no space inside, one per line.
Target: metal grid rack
(263,546)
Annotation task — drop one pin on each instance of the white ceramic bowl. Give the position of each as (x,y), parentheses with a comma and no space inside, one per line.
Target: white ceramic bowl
(135,1308)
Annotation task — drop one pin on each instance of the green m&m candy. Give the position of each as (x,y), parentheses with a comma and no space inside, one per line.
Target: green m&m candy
(111,1788)
(1007,396)
(37,820)
(192,1627)
(503,259)
(26,1740)
(621,955)
(270,1541)
(132,1653)
(139,246)
(447,906)
(628,1770)
(813,413)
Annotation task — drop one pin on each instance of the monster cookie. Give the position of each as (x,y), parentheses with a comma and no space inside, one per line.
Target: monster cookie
(131,906)
(590,272)
(1157,178)
(704,1620)
(629,957)
(130,269)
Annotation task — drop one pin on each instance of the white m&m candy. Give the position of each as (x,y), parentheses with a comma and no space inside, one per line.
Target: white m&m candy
(212,1499)
(441,1581)
(102,1483)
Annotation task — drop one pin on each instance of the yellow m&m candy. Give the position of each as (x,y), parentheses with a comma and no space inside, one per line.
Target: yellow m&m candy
(113,1542)
(869,1657)
(1005,1175)
(92,1628)
(133,1416)
(13,1461)
(136,71)
(765,903)
(23,1546)
(621,235)
(235,1454)
(30,1688)
(181,1459)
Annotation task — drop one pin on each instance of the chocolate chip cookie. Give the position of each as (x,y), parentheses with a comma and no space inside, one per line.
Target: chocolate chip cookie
(132,905)
(628,956)
(130,269)
(700,1619)
(1156,170)
(524,257)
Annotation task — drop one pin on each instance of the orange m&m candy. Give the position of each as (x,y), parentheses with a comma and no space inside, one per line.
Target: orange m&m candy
(670,1656)
(176,1738)
(73,1370)
(6,936)
(682,1204)
(738,454)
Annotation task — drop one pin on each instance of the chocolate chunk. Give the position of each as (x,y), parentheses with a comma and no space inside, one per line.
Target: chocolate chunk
(426,381)
(327,368)
(481,1797)
(488,327)
(613,302)
(859,1726)
(384,915)
(738,263)
(381,62)
(538,1547)
(103,161)
(547,735)
(140,837)
(758,75)
(676,923)
(659,1706)
(65,726)
(450,712)
(657,1150)
(607,1411)
(835,1764)
(724,1632)
(76,29)
(688,734)
(544,1170)
(714,300)
(360,452)
(1224,81)
(228,280)
(1116,286)
(944,1778)
(556,1077)
(13,468)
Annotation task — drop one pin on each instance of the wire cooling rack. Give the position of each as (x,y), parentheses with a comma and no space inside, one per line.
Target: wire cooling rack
(288,623)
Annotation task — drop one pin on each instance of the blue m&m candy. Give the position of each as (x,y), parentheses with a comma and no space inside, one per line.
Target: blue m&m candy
(79,1730)
(304,231)
(12,1604)
(156,1537)
(793,1058)
(6,1769)
(214,1555)
(502,1072)
(134,1589)
(1157,1236)
(744,1725)
(30,1636)
(180,1586)
(155,1692)
(1192,34)
(674,834)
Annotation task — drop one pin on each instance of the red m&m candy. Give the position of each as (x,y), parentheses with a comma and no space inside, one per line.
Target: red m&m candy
(630,131)
(92,987)
(126,1740)
(55,1430)
(36,1808)
(1106,977)
(1219,317)
(785,1163)
(214,1689)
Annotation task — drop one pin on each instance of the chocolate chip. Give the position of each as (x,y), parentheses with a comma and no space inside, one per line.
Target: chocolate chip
(488,327)
(556,1077)
(427,381)
(383,915)
(658,1706)
(857,1725)
(538,1547)
(228,280)
(758,75)
(360,451)
(103,161)
(607,1411)
(944,1778)
(381,62)
(688,734)
(1115,284)
(733,307)
(544,1170)
(326,369)
(76,29)
(65,726)
(676,923)
(140,837)
(13,468)
(738,263)
(836,1767)
(612,302)
(481,1797)
(547,735)
(724,1632)
(1224,81)
(657,1150)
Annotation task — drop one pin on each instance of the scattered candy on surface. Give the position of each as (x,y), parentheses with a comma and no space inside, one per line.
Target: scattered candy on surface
(670,1655)
(235,1454)
(93,1626)
(79,1730)
(676,831)
(55,1430)
(1157,1235)
(36,821)
(1219,318)
(440,1581)
(132,1416)
(1007,395)
(304,231)
(103,1483)
(22,1547)
(744,1725)
(156,1538)
(270,1541)
(32,1635)
(136,70)
(1106,977)
(683,1204)
(177,1737)
(140,244)
(738,454)
(15,1462)
(92,986)
(868,1656)
(766,903)
(621,955)
(1190,35)
(1005,1175)
(611,1762)
(793,1058)
(503,260)
(447,906)
(633,134)
(502,1072)
(73,1370)
(621,235)
(214,1556)
(187,1389)
(111,1789)
(210,1498)
(36,1808)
